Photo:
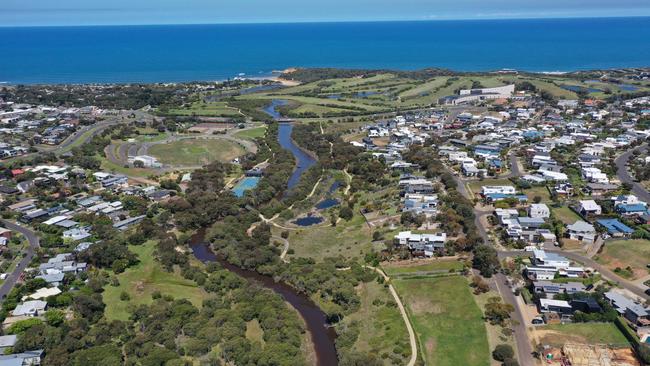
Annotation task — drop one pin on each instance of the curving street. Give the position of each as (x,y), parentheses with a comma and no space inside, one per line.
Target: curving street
(13,277)
(624,175)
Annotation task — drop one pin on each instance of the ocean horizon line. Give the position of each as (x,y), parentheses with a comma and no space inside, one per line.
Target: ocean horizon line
(361,21)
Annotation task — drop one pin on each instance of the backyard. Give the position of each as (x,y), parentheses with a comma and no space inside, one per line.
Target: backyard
(565,214)
(447,320)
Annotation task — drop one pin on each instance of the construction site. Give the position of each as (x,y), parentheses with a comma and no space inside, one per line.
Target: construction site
(574,354)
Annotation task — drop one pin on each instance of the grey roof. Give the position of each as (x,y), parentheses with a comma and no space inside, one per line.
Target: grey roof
(52,277)
(581,226)
(8,340)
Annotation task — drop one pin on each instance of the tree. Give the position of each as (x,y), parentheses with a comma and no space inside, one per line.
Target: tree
(485,260)
(510,362)
(346,213)
(502,352)
(479,285)
(497,312)
(54,317)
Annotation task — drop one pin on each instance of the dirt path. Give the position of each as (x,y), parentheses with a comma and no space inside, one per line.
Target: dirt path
(402,310)
(285,249)
(347,188)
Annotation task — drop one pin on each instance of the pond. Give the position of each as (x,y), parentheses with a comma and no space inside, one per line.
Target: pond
(334,186)
(327,203)
(577,89)
(308,220)
(322,335)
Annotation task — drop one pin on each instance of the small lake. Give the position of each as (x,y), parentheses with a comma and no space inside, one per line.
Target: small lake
(577,89)
(327,203)
(303,160)
(244,185)
(322,336)
(334,186)
(366,94)
(308,221)
(628,87)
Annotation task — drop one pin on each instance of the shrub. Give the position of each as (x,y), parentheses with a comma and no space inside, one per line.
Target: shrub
(503,352)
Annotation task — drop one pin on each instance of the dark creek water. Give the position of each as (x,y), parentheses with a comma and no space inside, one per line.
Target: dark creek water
(303,160)
(322,336)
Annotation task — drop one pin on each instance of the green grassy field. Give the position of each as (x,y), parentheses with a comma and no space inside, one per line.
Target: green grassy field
(212,109)
(381,328)
(622,253)
(196,152)
(447,320)
(141,280)
(436,265)
(350,239)
(340,96)
(566,215)
(589,333)
(252,133)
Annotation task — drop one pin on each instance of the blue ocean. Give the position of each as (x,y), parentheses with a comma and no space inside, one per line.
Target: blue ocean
(171,53)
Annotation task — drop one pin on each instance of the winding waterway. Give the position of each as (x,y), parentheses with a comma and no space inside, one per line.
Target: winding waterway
(322,335)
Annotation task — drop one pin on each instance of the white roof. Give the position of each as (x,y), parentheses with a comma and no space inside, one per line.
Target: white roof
(43,293)
(550,302)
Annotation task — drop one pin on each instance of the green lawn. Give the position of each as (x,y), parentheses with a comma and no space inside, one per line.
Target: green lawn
(589,333)
(538,191)
(566,215)
(622,253)
(436,265)
(381,328)
(447,320)
(141,280)
(196,152)
(252,133)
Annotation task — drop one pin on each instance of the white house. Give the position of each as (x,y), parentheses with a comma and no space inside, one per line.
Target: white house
(486,190)
(539,210)
(428,243)
(589,207)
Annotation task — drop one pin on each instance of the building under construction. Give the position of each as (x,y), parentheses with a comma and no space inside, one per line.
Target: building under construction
(596,355)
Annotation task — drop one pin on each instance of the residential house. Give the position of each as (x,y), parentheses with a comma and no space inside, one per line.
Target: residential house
(427,243)
(635,313)
(539,210)
(581,231)
(589,208)
(30,308)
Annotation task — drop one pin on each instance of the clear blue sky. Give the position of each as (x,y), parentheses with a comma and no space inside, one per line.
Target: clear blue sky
(87,12)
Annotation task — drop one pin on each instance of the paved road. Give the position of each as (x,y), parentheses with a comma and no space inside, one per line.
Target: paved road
(524,348)
(12,278)
(625,177)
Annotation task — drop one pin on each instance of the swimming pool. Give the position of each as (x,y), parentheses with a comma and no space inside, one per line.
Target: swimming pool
(244,185)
